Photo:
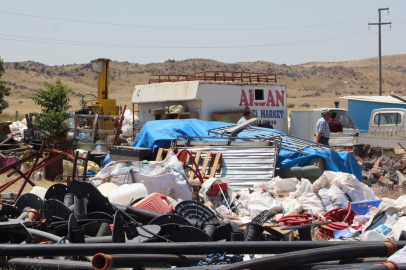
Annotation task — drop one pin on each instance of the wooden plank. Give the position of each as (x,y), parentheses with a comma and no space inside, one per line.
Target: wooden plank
(197,158)
(94,130)
(241,126)
(215,165)
(159,154)
(205,163)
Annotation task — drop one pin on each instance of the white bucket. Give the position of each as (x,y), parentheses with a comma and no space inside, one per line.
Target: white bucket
(106,188)
(124,194)
(39,191)
(373,236)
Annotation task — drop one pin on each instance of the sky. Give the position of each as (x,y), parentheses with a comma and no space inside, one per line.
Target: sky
(283,32)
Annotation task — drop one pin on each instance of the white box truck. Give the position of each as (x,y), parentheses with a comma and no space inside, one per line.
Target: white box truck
(266,100)
(303,125)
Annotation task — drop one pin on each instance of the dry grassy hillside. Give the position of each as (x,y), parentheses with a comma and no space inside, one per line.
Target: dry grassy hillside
(309,85)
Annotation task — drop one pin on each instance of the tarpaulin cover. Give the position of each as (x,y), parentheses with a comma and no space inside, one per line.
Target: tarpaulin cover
(156,134)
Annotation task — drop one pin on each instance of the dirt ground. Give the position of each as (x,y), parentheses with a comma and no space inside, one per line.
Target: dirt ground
(16,186)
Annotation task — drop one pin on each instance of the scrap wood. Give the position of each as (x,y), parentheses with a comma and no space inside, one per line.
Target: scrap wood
(210,165)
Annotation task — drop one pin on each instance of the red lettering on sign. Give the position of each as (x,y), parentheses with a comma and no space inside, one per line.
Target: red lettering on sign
(270,99)
(280,97)
(251,93)
(249,101)
(243,100)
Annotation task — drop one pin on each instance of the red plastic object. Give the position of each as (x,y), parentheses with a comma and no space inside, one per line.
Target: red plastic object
(156,202)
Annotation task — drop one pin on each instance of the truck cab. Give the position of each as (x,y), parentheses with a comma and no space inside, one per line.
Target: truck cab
(388,122)
(303,125)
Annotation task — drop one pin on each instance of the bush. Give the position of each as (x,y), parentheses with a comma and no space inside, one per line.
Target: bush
(307,105)
(54,101)
(291,105)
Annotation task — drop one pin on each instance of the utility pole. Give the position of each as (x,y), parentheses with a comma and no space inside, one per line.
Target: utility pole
(379,58)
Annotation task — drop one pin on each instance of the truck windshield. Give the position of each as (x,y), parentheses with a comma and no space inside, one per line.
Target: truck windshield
(345,119)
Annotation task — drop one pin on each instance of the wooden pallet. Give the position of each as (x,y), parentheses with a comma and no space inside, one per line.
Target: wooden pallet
(210,165)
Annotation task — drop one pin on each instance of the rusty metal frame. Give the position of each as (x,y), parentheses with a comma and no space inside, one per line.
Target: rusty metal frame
(120,123)
(220,76)
(39,164)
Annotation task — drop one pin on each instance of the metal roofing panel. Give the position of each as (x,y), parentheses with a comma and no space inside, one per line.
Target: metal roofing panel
(164,92)
(382,99)
(244,166)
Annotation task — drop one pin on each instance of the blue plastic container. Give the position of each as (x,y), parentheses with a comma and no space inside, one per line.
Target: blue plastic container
(362,207)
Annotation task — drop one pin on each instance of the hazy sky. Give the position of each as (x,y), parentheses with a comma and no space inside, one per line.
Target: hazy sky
(284,31)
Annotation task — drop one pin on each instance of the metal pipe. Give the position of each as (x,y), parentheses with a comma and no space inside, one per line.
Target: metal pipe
(47,264)
(316,255)
(186,248)
(103,261)
(393,94)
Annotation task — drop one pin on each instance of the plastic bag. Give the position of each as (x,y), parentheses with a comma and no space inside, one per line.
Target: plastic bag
(399,256)
(356,190)
(333,197)
(310,201)
(261,202)
(166,177)
(285,185)
(291,205)
(304,186)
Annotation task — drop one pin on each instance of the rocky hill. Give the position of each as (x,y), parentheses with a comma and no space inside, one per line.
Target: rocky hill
(309,85)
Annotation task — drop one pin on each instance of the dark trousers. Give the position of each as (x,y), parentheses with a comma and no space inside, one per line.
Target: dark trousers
(324,140)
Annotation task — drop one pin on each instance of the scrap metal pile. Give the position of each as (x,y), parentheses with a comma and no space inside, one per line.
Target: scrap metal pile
(139,214)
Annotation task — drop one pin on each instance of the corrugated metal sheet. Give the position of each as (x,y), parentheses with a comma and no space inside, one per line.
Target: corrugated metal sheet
(384,99)
(288,142)
(164,92)
(244,165)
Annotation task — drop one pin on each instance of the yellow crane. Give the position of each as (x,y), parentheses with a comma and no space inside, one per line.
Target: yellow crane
(104,105)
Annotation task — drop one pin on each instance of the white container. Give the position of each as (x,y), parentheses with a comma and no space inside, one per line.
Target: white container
(106,188)
(373,236)
(124,194)
(39,191)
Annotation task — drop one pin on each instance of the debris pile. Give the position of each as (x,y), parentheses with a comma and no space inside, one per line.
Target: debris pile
(384,170)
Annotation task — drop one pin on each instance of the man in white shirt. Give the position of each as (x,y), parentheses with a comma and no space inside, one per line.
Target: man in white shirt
(246,115)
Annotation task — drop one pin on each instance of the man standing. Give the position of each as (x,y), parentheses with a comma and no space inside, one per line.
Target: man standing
(322,128)
(246,115)
(334,125)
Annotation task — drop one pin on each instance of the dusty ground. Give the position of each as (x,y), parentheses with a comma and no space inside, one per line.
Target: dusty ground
(16,187)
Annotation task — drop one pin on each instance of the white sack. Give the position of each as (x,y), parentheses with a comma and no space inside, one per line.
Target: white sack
(333,197)
(304,186)
(356,190)
(291,205)
(311,201)
(262,202)
(283,185)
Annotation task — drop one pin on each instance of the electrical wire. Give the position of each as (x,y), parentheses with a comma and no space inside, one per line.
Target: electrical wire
(88,44)
(181,28)
(397,19)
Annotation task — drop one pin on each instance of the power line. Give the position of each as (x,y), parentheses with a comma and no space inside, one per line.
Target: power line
(397,19)
(394,40)
(89,44)
(181,28)
(398,33)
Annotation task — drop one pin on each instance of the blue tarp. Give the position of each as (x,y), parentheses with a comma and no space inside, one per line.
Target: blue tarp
(156,134)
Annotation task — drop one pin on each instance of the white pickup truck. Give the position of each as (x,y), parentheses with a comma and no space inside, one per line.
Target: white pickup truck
(387,128)
(303,125)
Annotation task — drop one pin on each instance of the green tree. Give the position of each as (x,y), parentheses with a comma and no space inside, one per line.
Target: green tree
(54,101)
(54,97)
(4,91)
